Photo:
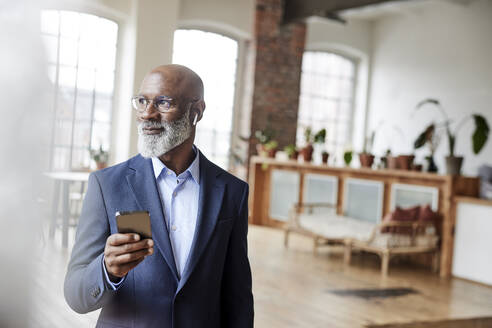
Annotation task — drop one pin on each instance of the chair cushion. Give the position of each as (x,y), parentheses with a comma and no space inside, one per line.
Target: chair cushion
(410,214)
(333,226)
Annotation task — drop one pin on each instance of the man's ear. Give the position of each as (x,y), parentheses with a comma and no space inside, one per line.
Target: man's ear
(199,108)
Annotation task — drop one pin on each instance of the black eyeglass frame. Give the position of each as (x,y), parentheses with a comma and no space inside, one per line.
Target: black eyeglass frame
(161,103)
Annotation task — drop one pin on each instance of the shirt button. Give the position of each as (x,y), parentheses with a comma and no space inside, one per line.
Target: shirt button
(174,227)
(174,194)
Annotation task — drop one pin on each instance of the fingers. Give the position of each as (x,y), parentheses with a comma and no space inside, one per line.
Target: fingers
(131,247)
(134,256)
(122,238)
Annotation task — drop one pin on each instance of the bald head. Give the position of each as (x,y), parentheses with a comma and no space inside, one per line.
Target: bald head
(176,81)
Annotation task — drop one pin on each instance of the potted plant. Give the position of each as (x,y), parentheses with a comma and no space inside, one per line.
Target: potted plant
(310,138)
(431,138)
(100,156)
(479,136)
(324,156)
(271,148)
(264,137)
(366,158)
(347,156)
(291,151)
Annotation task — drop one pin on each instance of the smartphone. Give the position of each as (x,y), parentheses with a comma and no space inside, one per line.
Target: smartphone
(134,222)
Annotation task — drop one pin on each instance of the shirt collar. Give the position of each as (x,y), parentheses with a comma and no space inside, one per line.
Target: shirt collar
(193,169)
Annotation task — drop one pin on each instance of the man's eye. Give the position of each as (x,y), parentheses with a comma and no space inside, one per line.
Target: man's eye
(163,104)
(142,101)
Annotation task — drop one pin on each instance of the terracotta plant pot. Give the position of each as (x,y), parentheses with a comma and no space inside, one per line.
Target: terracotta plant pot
(392,162)
(366,160)
(294,155)
(453,165)
(405,161)
(271,152)
(101,165)
(307,153)
(324,157)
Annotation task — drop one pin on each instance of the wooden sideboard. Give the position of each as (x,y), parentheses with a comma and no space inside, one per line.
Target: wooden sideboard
(260,181)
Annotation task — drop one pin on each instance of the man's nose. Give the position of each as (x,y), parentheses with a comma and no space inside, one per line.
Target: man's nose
(150,113)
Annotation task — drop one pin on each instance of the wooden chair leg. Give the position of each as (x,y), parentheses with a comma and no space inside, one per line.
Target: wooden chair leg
(286,238)
(435,262)
(347,255)
(385,257)
(315,245)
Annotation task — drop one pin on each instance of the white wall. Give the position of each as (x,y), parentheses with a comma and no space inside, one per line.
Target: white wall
(443,51)
(352,39)
(234,17)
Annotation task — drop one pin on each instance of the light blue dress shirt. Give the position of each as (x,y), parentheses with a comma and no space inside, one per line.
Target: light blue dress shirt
(179,198)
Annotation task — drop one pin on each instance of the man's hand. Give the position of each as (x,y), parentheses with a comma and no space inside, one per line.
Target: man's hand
(124,251)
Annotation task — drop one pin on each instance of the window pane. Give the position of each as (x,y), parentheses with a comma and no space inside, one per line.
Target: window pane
(70,24)
(61,158)
(83,108)
(103,108)
(63,132)
(65,102)
(82,134)
(67,77)
(68,51)
(101,135)
(51,46)
(80,158)
(85,79)
(104,81)
(49,22)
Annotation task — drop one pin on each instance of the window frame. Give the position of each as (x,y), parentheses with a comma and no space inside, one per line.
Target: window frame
(356,72)
(56,88)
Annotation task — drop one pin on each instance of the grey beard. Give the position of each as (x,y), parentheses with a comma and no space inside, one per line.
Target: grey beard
(173,135)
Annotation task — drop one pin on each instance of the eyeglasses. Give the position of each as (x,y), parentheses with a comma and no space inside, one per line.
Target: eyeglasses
(161,103)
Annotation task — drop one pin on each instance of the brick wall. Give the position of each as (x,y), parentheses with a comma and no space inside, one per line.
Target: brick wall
(277,73)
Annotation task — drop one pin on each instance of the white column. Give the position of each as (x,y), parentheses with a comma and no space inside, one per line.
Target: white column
(155,22)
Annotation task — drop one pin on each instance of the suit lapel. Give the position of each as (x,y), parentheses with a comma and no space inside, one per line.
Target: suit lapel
(144,187)
(209,204)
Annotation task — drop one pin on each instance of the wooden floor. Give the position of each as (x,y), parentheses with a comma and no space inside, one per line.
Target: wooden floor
(292,288)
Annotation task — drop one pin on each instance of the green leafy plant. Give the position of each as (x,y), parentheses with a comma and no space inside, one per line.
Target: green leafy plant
(347,157)
(272,144)
(430,137)
(265,135)
(311,138)
(99,155)
(320,136)
(479,136)
(307,135)
(290,149)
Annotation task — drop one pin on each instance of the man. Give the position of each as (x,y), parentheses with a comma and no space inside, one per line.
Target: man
(194,272)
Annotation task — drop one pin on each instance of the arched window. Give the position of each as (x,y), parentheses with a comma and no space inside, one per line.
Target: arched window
(327,98)
(214,58)
(81,51)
